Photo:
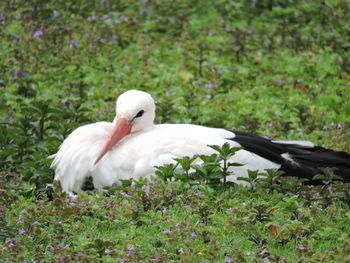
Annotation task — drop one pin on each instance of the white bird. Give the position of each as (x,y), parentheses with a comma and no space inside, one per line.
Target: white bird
(132,145)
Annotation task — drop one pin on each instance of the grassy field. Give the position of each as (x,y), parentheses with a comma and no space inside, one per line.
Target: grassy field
(278,68)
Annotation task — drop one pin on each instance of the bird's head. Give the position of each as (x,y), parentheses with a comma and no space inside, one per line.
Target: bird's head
(135,111)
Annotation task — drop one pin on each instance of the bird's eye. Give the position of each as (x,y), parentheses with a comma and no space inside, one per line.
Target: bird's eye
(139,114)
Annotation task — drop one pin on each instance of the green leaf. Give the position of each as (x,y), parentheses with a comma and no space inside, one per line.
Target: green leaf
(126,183)
(319,177)
(246,179)
(199,168)
(234,164)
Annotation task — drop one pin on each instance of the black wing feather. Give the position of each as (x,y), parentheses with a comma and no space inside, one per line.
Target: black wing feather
(307,161)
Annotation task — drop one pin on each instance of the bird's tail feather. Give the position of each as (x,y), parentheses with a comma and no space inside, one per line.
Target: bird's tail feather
(312,161)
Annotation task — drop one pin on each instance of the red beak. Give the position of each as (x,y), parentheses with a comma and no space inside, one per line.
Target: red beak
(121,129)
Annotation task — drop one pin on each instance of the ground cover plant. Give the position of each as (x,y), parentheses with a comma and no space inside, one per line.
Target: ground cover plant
(271,67)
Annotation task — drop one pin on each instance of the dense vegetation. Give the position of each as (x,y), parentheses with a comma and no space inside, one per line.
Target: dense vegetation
(273,67)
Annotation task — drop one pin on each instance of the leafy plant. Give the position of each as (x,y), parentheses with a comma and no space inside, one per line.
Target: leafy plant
(212,170)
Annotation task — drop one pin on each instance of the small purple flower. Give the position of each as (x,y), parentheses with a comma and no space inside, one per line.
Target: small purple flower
(301,247)
(21,232)
(36,223)
(19,222)
(269,124)
(114,37)
(210,34)
(116,21)
(18,16)
(49,246)
(181,250)
(125,194)
(328,252)
(55,14)
(164,210)
(66,246)
(166,232)
(222,20)
(339,126)
(300,133)
(8,241)
(122,261)
(228,259)
(132,247)
(193,234)
(124,18)
(5,248)
(128,254)
(73,43)
(208,86)
(106,21)
(227,29)
(219,71)
(266,259)
(14,36)
(280,82)
(21,74)
(38,33)
(111,239)
(108,251)
(102,40)
(105,17)
(334,137)
(264,251)
(91,18)
(325,127)
(249,30)
(145,188)
(144,10)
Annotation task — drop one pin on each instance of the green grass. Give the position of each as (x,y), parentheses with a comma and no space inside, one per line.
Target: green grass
(274,68)
(169,222)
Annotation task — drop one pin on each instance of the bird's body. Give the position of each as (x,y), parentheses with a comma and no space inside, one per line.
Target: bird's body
(98,150)
(137,154)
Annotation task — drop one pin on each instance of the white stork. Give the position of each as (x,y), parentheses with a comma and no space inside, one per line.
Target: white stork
(132,145)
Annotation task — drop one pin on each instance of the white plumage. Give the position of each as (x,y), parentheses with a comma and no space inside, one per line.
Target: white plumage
(131,145)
